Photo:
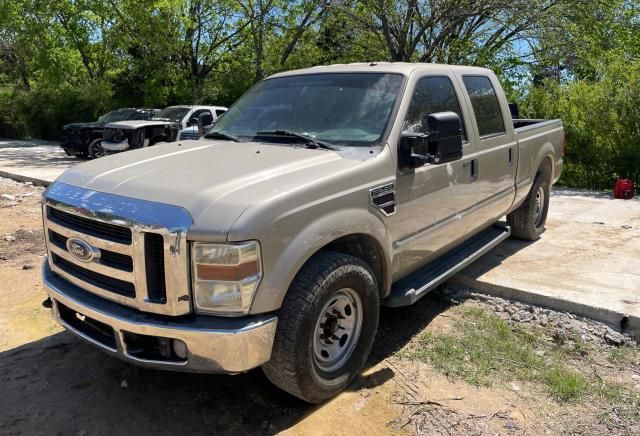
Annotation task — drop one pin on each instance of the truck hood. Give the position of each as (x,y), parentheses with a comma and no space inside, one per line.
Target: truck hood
(136,124)
(215,181)
(75,126)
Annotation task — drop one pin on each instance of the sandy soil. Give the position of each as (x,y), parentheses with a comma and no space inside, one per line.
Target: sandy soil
(51,383)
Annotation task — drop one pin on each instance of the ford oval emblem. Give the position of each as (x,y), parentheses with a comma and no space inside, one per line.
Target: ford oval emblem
(81,250)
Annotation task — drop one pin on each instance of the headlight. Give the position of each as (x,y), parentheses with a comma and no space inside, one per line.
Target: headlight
(225,276)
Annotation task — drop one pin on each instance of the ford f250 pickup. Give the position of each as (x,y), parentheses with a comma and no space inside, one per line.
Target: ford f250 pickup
(321,195)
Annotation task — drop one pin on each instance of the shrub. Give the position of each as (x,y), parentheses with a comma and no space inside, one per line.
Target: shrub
(602,122)
(10,125)
(44,110)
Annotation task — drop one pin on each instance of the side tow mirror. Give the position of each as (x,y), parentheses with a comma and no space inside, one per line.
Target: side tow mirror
(445,138)
(205,120)
(442,144)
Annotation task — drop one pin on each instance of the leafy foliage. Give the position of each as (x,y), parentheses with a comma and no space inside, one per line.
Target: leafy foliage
(602,122)
(578,60)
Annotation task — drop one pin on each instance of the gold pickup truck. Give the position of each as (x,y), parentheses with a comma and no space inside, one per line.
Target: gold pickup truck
(320,195)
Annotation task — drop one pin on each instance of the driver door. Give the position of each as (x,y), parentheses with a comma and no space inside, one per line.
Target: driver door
(433,200)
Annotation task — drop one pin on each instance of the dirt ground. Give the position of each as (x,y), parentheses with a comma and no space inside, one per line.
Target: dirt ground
(51,383)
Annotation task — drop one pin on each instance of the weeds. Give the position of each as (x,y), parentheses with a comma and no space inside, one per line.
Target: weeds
(485,349)
(623,356)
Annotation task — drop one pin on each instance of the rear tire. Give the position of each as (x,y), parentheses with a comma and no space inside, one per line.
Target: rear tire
(326,327)
(527,222)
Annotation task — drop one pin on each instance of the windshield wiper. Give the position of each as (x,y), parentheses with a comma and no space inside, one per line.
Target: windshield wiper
(220,135)
(310,141)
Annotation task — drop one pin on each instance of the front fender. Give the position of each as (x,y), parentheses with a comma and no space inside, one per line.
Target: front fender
(282,259)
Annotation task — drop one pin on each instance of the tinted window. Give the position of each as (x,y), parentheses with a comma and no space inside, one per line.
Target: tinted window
(485,104)
(140,116)
(173,113)
(197,113)
(115,116)
(219,112)
(432,94)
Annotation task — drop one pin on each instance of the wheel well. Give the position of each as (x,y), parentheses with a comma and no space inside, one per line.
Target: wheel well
(365,248)
(546,168)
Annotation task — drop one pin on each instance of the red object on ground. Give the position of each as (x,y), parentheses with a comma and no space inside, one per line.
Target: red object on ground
(624,189)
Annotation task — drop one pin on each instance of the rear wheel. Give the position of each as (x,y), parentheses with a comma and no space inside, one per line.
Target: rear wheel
(95,149)
(326,327)
(527,222)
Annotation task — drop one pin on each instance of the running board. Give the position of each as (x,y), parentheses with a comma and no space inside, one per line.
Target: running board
(416,285)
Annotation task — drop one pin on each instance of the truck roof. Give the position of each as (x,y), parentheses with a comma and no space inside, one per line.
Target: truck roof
(403,68)
(198,106)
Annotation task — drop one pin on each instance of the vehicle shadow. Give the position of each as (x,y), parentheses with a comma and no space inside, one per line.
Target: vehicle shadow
(495,257)
(62,385)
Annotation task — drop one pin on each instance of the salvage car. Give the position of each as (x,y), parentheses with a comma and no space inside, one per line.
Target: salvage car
(204,121)
(321,195)
(84,139)
(163,127)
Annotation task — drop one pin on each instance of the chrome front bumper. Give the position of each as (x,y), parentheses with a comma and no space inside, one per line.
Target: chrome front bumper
(213,344)
(115,146)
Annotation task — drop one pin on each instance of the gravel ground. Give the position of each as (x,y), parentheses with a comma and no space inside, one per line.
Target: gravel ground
(564,324)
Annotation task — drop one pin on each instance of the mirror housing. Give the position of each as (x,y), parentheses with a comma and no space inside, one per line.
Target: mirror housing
(442,144)
(413,150)
(205,119)
(445,139)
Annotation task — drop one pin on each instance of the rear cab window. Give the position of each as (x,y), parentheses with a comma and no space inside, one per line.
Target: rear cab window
(485,104)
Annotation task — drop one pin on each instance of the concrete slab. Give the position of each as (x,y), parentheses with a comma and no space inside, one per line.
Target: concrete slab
(587,262)
(39,162)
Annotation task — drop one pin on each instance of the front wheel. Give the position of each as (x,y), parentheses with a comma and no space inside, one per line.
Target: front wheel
(95,149)
(326,327)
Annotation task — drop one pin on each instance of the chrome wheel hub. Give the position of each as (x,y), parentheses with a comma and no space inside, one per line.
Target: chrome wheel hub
(337,330)
(538,207)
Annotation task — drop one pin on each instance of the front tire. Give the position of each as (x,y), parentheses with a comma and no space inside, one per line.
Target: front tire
(528,221)
(95,149)
(326,327)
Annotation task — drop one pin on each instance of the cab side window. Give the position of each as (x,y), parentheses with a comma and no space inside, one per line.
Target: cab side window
(199,112)
(485,105)
(431,95)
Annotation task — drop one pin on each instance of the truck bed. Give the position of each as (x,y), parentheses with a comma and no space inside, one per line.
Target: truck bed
(519,123)
(536,137)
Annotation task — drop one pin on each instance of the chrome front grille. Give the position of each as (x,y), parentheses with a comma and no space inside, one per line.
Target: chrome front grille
(139,247)
(91,227)
(185,136)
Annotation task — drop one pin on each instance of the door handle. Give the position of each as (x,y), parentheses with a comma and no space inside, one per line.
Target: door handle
(510,156)
(473,163)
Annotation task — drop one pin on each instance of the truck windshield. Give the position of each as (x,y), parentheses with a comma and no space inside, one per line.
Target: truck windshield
(172,113)
(340,108)
(114,116)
